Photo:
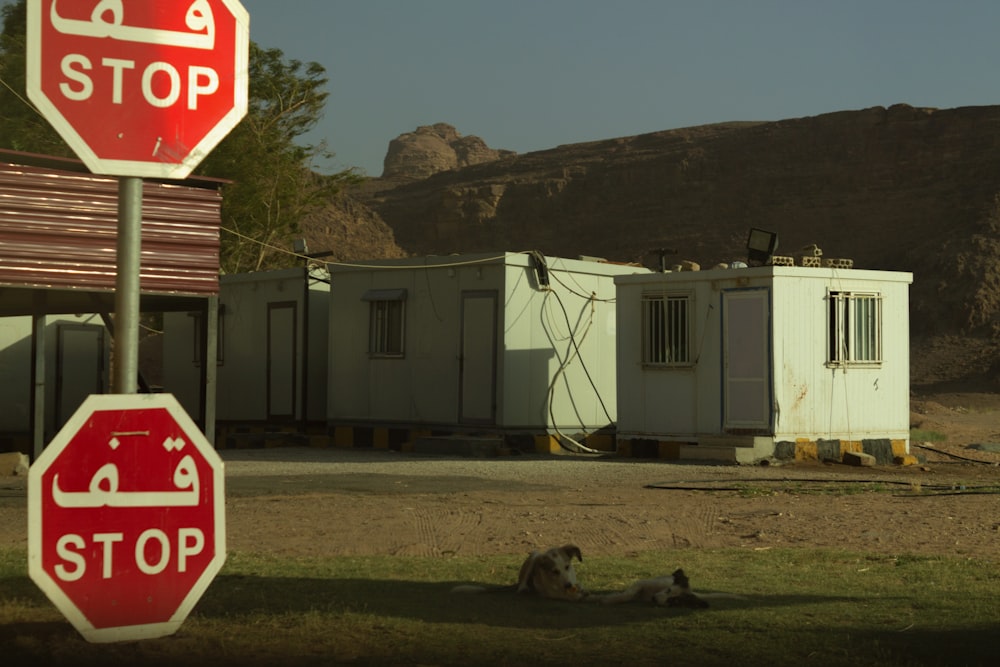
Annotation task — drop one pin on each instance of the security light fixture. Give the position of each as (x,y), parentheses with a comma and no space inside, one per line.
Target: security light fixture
(761,244)
(301,248)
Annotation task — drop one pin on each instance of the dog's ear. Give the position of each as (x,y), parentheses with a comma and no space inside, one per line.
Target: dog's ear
(680,579)
(571,550)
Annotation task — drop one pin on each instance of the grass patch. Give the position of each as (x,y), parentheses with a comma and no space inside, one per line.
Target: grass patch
(922,435)
(802,606)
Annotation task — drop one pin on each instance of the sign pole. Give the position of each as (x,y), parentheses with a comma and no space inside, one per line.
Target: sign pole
(135,95)
(127,285)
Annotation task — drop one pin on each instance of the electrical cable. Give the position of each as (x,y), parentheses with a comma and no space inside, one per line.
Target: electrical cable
(937,489)
(356,265)
(20,97)
(565,364)
(552,273)
(954,456)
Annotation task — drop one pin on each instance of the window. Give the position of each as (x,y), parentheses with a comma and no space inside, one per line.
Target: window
(386,328)
(665,334)
(197,324)
(855,328)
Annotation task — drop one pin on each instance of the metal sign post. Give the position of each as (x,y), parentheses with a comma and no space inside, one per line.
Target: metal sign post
(138,90)
(127,286)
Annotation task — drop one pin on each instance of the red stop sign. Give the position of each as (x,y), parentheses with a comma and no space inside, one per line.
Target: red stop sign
(142,89)
(126,517)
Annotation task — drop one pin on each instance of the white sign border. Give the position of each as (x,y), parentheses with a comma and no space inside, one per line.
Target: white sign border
(52,590)
(134,168)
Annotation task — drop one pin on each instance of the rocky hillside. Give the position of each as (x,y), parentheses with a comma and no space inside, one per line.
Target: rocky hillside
(897,188)
(433,148)
(349,230)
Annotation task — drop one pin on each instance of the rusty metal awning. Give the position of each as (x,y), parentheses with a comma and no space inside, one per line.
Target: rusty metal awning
(58,231)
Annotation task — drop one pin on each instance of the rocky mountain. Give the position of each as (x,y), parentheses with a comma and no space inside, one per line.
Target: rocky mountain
(898,188)
(434,148)
(349,230)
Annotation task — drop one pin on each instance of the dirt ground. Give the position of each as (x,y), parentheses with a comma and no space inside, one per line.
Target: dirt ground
(327,502)
(391,503)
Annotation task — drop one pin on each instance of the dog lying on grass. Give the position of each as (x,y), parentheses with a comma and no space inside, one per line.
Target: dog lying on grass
(671,591)
(548,573)
(551,574)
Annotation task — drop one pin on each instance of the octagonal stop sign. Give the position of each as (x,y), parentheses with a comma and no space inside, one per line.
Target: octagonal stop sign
(139,88)
(126,517)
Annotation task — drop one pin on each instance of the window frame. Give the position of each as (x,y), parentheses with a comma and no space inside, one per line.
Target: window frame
(197,320)
(666,344)
(387,328)
(854,329)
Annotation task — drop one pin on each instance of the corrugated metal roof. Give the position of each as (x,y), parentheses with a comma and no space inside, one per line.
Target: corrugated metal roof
(58,229)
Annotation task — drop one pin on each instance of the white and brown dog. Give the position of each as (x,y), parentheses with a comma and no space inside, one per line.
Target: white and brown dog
(551,574)
(548,573)
(670,591)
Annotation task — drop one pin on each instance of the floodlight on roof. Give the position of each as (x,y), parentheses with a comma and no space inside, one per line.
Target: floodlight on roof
(761,244)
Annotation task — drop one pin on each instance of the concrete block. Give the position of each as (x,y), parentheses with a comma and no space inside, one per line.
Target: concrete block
(13,464)
(811,250)
(547,444)
(459,446)
(858,459)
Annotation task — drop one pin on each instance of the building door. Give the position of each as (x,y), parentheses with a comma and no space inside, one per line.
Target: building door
(282,352)
(80,367)
(477,366)
(746,372)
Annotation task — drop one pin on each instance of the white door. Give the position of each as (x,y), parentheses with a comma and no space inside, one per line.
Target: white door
(477,362)
(746,360)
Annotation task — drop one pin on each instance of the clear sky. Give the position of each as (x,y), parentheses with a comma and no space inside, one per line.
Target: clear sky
(529,75)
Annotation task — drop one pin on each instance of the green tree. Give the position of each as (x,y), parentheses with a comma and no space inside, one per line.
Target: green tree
(272,183)
(22,128)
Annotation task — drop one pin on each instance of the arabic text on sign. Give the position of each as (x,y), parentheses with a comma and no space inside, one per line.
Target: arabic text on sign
(107,21)
(103,489)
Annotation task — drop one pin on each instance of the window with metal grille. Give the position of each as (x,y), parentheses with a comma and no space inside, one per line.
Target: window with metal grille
(385,330)
(665,333)
(855,328)
(386,321)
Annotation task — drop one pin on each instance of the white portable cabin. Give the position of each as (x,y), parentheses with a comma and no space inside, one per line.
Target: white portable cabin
(746,364)
(510,344)
(75,364)
(272,346)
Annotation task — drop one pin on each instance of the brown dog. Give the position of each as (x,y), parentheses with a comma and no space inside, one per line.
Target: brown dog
(551,574)
(548,573)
